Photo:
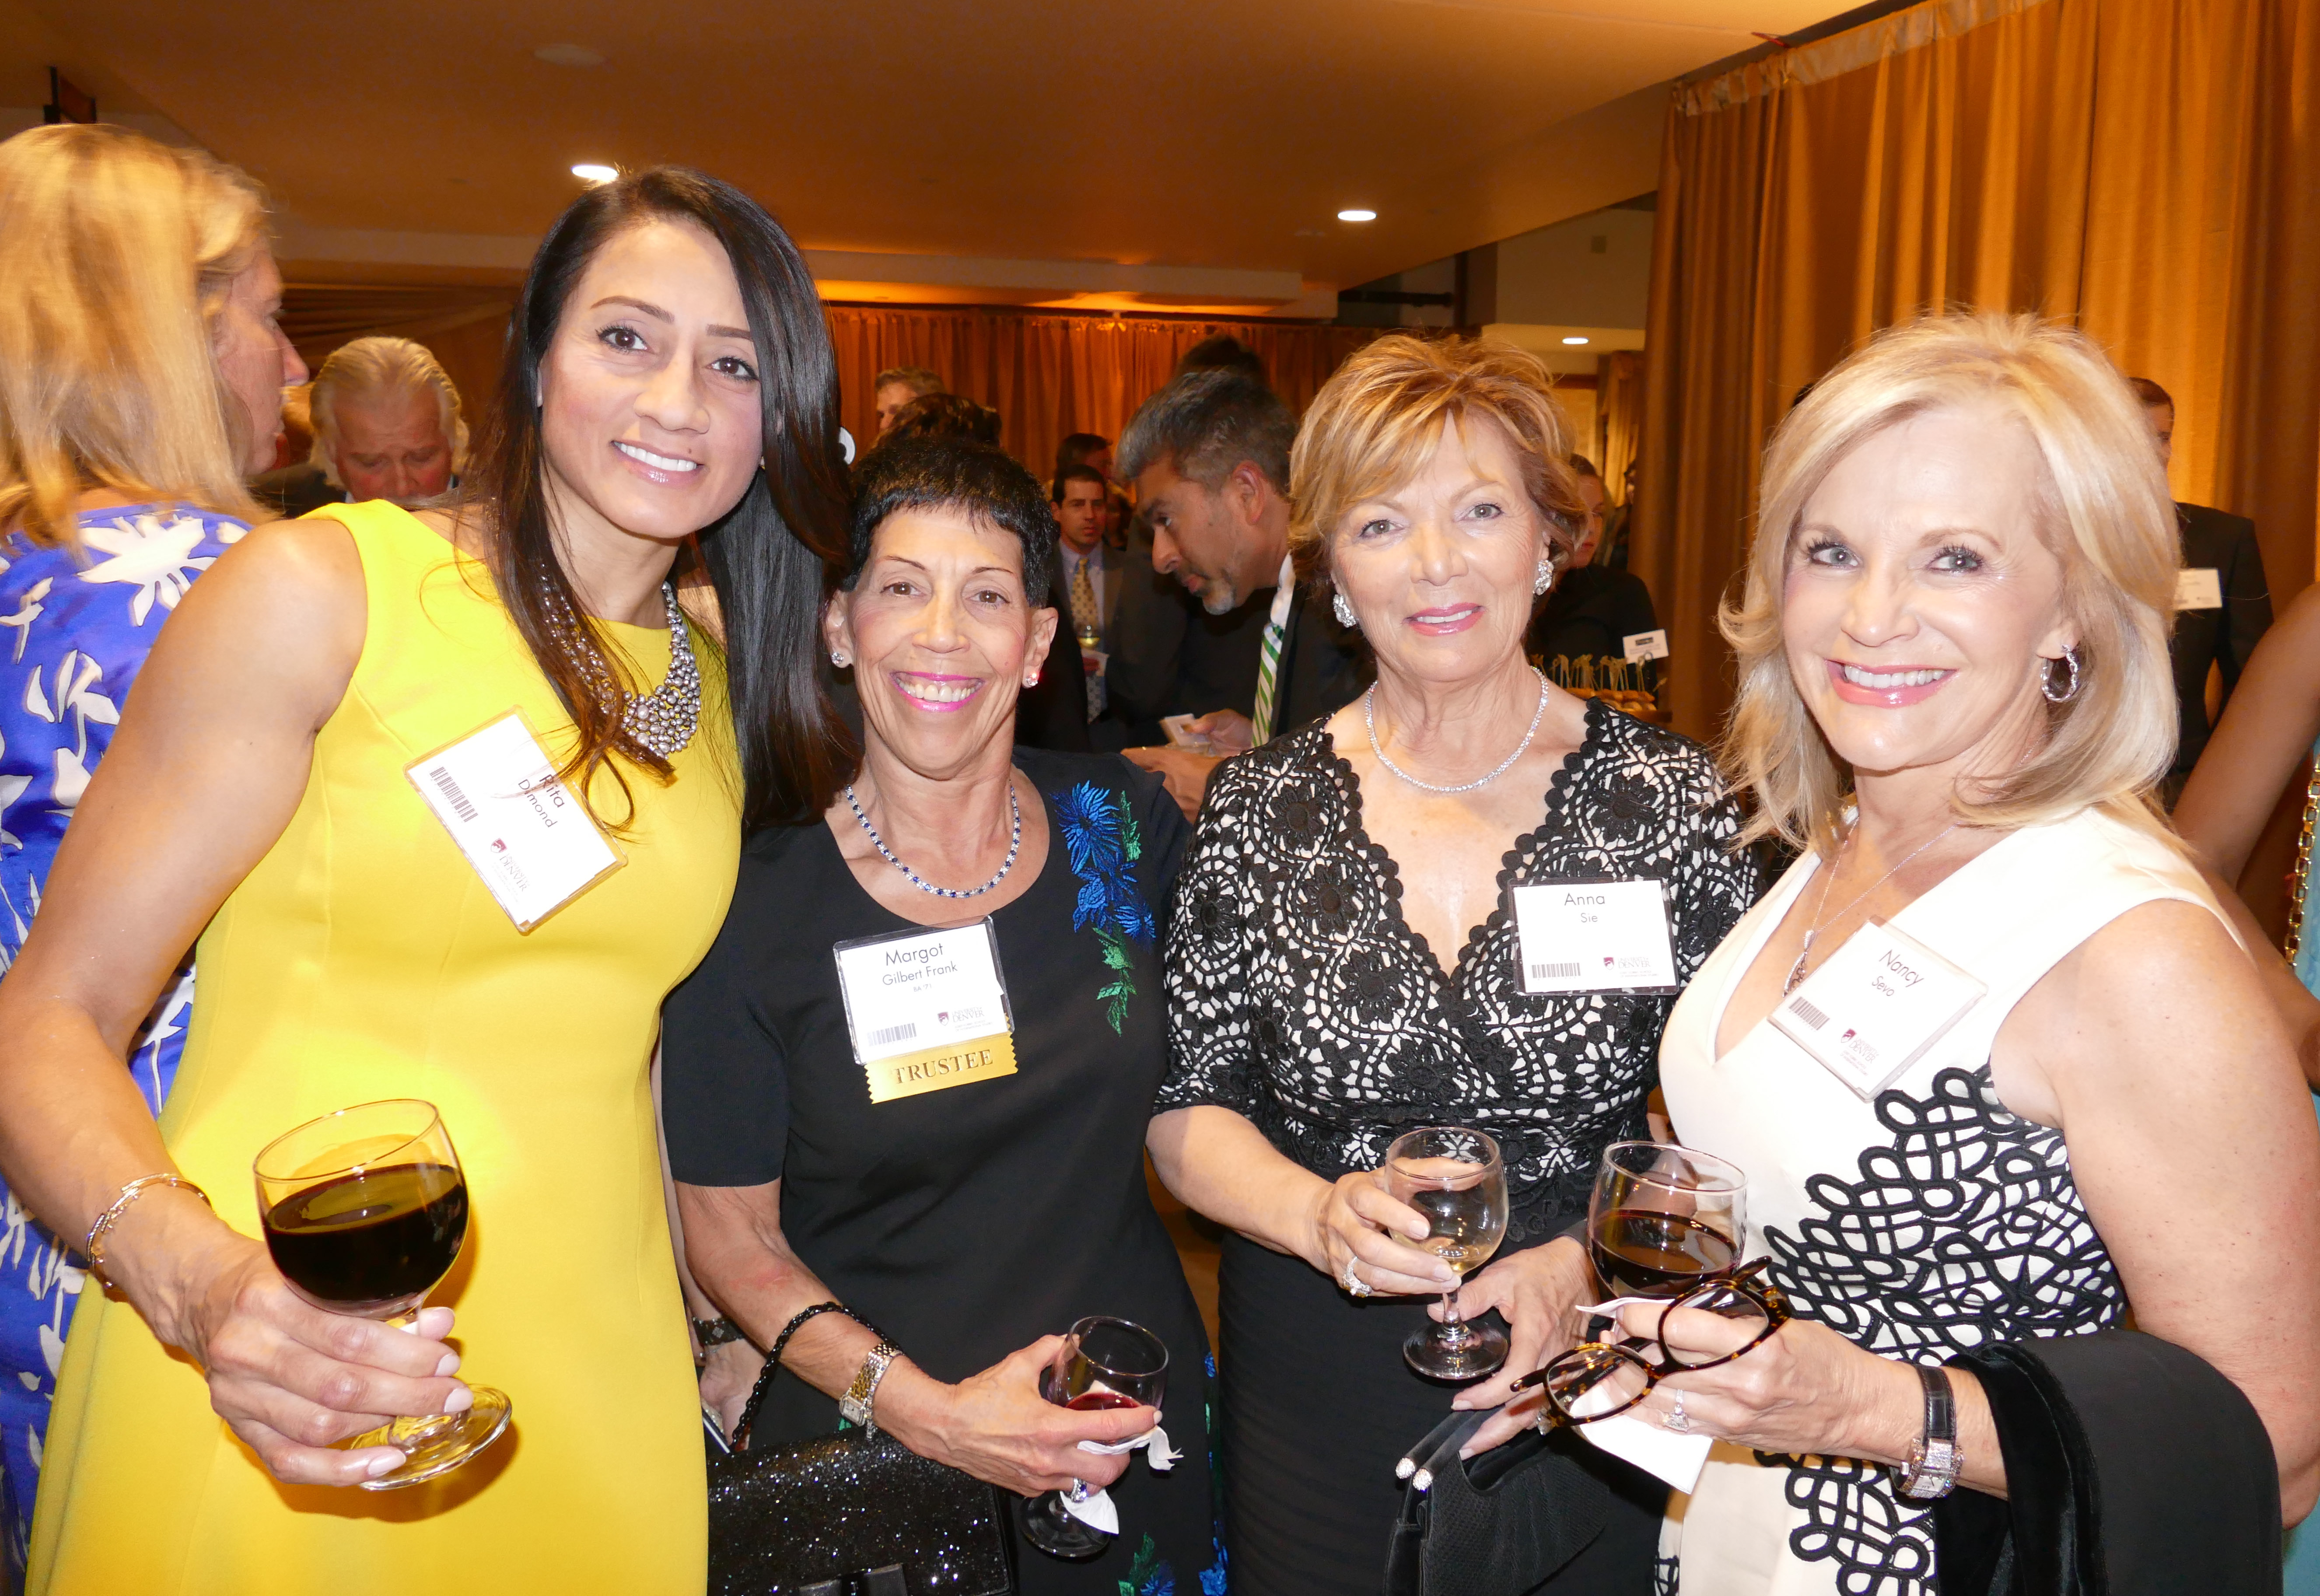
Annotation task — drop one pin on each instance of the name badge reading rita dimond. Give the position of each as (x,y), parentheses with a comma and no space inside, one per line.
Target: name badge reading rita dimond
(926,1010)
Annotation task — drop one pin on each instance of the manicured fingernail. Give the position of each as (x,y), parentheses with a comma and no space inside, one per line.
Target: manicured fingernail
(448,1365)
(382,1464)
(460,1399)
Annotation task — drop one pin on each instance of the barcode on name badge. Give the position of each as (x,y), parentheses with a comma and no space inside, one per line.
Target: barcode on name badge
(894,1033)
(1808,1013)
(1554,972)
(442,778)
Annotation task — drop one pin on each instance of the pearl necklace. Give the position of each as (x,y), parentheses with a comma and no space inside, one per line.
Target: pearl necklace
(1014,845)
(1369,723)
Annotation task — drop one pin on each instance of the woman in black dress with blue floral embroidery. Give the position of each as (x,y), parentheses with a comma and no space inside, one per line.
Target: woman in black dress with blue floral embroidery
(971,1223)
(1344,969)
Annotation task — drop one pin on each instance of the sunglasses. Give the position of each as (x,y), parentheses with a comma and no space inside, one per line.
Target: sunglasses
(1600,1379)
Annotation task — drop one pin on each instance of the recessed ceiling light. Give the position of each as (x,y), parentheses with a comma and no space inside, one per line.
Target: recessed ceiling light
(1357,215)
(568,55)
(589,171)
(1566,340)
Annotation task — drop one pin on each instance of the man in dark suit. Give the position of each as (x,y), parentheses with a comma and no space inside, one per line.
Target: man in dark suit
(1209,457)
(2223,604)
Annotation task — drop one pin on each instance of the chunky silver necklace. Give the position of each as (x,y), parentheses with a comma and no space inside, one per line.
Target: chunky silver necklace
(1821,920)
(1014,846)
(661,722)
(1369,723)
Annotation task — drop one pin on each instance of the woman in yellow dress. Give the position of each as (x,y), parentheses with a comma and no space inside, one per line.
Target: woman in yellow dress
(669,388)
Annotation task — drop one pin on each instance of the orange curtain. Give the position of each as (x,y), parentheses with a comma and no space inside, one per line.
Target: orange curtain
(1619,417)
(1049,375)
(2142,168)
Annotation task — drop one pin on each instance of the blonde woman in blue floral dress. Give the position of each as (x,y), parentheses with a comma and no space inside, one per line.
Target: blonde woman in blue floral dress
(129,273)
(970,1224)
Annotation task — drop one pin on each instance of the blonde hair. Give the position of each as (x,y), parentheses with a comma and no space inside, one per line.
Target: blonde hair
(116,254)
(378,365)
(1376,420)
(2102,506)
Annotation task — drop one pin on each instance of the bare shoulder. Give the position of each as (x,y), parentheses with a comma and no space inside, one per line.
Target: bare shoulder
(285,603)
(313,557)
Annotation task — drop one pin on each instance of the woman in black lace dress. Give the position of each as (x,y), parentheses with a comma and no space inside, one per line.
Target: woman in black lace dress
(1313,1018)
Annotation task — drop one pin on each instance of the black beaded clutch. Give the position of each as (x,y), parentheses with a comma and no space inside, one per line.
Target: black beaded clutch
(851,1514)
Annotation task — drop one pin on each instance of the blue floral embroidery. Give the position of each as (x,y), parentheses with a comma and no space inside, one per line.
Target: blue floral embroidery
(1151,1574)
(1102,839)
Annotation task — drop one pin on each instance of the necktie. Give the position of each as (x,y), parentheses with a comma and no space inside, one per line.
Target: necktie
(1268,662)
(1087,622)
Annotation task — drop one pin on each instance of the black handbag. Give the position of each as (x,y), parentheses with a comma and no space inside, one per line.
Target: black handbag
(1499,1524)
(856,1513)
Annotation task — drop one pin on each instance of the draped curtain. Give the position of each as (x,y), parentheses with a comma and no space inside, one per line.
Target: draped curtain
(1049,375)
(2145,168)
(1619,417)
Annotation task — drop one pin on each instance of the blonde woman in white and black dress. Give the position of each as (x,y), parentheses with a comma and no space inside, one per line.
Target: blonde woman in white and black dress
(1341,968)
(1955,695)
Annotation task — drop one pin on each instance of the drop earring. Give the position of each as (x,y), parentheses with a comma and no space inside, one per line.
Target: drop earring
(1543,580)
(1343,611)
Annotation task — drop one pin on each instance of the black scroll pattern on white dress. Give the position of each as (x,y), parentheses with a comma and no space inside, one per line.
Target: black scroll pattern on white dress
(1299,997)
(1967,1230)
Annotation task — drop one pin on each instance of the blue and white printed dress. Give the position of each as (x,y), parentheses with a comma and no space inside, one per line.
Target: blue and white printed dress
(75,629)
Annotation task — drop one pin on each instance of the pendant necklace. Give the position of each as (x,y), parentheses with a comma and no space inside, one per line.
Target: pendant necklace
(1797,970)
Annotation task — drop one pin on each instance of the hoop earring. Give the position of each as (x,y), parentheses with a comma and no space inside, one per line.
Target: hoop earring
(1543,580)
(1343,611)
(2070,660)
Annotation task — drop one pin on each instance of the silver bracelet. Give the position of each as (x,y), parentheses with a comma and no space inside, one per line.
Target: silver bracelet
(93,1249)
(859,1406)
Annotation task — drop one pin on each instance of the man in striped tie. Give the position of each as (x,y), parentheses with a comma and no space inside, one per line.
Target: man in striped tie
(1210,458)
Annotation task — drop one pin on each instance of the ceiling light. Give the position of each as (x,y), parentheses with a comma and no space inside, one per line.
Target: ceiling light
(593,172)
(568,55)
(1357,215)
(1574,338)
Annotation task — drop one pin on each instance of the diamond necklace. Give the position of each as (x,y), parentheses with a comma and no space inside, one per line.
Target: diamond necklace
(1797,970)
(1369,724)
(1014,845)
(662,721)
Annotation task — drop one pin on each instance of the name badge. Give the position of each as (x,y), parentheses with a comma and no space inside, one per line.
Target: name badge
(926,1010)
(1594,935)
(1875,1008)
(2200,590)
(527,836)
(1645,645)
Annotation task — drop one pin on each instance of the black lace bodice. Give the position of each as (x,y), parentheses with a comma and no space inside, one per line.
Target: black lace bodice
(1301,998)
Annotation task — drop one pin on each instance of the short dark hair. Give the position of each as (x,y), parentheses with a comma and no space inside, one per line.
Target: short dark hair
(1206,423)
(946,471)
(946,415)
(2151,394)
(1223,352)
(1078,449)
(1580,465)
(1076,474)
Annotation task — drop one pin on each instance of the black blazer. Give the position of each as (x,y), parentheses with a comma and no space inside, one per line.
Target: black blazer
(1324,666)
(2225,544)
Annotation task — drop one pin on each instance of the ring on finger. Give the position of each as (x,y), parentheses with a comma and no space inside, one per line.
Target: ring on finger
(1354,1283)
(1677,1420)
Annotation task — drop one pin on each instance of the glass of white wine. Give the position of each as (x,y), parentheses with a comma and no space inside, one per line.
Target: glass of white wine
(1455,1179)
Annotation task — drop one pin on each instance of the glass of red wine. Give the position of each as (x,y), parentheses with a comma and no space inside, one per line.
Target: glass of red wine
(1103,1363)
(365,1211)
(1664,1218)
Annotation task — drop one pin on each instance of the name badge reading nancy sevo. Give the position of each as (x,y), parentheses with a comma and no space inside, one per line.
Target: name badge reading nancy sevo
(926,1010)
(1882,1001)
(1593,936)
(525,833)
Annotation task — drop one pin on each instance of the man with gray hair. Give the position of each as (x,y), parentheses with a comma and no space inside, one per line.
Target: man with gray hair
(386,422)
(896,386)
(1210,458)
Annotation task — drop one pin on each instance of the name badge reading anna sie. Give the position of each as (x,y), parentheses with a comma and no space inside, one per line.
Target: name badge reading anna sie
(926,1010)
(1593,936)
(1876,1007)
(527,836)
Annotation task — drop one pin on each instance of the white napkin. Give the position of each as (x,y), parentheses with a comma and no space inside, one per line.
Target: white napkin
(1653,1448)
(1097,1512)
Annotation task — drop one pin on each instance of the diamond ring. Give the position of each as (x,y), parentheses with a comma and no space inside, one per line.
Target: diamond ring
(1677,1420)
(1354,1282)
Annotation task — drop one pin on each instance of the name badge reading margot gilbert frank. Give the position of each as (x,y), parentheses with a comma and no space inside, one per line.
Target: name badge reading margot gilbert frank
(926,1010)
(1593,936)
(1876,1007)
(528,836)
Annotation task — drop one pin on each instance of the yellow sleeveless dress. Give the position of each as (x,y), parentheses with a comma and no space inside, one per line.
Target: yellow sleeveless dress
(363,959)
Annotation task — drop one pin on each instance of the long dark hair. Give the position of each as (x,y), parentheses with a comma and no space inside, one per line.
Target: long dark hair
(771,559)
